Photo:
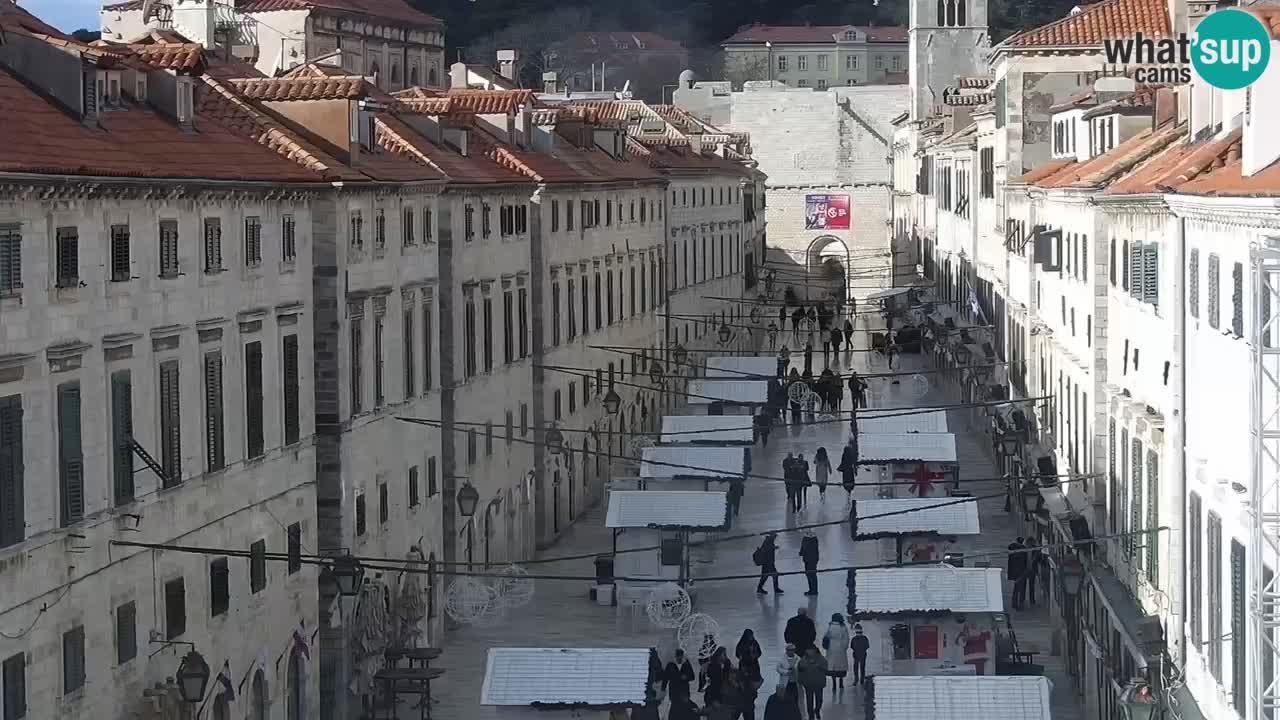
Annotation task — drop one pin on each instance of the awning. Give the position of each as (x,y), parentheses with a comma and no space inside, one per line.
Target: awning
(880,449)
(693,461)
(915,516)
(889,292)
(742,367)
(989,697)
(673,509)
(681,429)
(895,422)
(738,392)
(600,677)
(909,590)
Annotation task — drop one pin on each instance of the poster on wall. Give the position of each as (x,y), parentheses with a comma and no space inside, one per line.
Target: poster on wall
(926,637)
(826,212)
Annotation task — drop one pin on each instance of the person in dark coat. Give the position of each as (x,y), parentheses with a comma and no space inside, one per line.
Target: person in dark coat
(684,709)
(857,390)
(766,556)
(848,335)
(800,631)
(783,362)
(802,476)
(848,467)
(762,425)
(808,358)
(1018,573)
(1035,561)
(781,706)
(796,318)
(791,480)
(836,337)
(859,644)
(748,649)
(719,668)
(809,554)
(677,677)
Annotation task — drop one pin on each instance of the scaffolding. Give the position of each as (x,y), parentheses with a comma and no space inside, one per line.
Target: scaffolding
(1262,647)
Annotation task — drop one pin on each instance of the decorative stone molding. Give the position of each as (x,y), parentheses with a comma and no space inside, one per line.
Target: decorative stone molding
(66,356)
(1263,213)
(120,340)
(13,367)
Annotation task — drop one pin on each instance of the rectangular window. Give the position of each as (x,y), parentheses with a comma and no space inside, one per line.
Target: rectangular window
(486,340)
(1237,300)
(407,346)
(555,404)
(599,305)
(1135,497)
(1195,566)
(555,215)
(215,457)
(586,305)
(1239,643)
(294,535)
(1213,607)
(1153,518)
(523,311)
(384,504)
(126,634)
(121,437)
(631,271)
(12,509)
(406,227)
(170,423)
(471,446)
(469,222)
(255,444)
(486,220)
(609,294)
(68,257)
(252,241)
(168,248)
(380,230)
(73,668)
(555,314)
(415,498)
(356,231)
(70,454)
(121,269)
(1193,282)
(431,477)
(13,682)
(357,370)
(288,239)
(10,259)
(219,587)
(508,327)
(427,343)
(1213,295)
(292,411)
(469,334)
(360,518)
(212,245)
(568,215)
(258,566)
(488,439)
(571,306)
(379,359)
(175,608)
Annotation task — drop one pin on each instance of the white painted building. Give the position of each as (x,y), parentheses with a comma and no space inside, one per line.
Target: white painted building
(816,56)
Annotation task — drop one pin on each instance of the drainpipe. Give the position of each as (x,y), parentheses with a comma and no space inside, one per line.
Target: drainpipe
(1180,445)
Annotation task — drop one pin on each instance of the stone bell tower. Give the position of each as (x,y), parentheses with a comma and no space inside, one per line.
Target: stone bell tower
(947,39)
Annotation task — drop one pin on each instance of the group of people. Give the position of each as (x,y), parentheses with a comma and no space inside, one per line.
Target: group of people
(1026,561)
(728,692)
(806,668)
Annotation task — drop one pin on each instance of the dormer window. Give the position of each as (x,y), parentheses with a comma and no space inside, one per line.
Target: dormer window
(113,88)
(140,88)
(186,100)
(850,35)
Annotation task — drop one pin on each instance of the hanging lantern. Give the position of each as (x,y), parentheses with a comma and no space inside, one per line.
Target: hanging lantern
(1073,573)
(726,333)
(193,678)
(555,439)
(1009,444)
(612,402)
(655,372)
(468,498)
(679,354)
(1030,496)
(344,573)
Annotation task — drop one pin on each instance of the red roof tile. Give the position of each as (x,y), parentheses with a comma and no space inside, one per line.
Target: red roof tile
(1270,16)
(1123,158)
(335,88)
(1095,23)
(491,102)
(130,142)
(397,137)
(396,10)
(171,56)
(759,34)
(1207,168)
(1040,172)
(1141,100)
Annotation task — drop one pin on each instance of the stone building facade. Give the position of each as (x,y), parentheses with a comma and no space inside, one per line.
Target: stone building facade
(818,57)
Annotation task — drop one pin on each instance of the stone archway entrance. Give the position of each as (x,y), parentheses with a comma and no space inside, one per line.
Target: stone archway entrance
(828,264)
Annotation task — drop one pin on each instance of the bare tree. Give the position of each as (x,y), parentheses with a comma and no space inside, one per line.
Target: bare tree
(745,68)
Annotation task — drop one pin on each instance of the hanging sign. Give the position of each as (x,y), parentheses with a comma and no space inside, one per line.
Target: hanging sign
(826,212)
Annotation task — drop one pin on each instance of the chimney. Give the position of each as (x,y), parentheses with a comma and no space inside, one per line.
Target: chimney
(456,138)
(458,76)
(1166,106)
(549,84)
(507,64)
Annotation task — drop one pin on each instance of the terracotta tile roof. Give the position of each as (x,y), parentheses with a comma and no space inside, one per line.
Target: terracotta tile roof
(629,41)
(964,97)
(316,70)
(133,141)
(1141,100)
(491,102)
(340,88)
(1040,172)
(229,68)
(1095,23)
(1206,168)
(759,34)
(171,56)
(395,10)
(1084,98)
(977,83)
(545,116)
(397,137)
(1103,169)
(564,163)
(1270,16)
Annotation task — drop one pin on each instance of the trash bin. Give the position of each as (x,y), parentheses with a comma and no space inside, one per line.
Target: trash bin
(604,569)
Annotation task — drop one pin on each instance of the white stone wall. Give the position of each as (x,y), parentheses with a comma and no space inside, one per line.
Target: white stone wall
(60,578)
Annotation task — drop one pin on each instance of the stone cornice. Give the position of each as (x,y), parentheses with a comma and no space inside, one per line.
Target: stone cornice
(1261,213)
(1146,204)
(49,189)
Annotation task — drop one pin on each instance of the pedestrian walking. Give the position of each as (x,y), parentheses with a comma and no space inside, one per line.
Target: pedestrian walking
(857,390)
(809,554)
(812,672)
(802,474)
(717,669)
(783,362)
(677,677)
(792,379)
(787,673)
(849,466)
(1018,573)
(859,644)
(766,556)
(781,706)
(736,491)
(748,648)
(822,469)
(836,337)
(683,709)
(835,642)
(797,317)
(800,631)
(749,682)
(848,335)
(808,358)
(1035,564)
(728,703)
(763,425)
(891,351)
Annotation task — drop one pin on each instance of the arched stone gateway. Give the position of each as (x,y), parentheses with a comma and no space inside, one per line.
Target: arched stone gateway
(827,264)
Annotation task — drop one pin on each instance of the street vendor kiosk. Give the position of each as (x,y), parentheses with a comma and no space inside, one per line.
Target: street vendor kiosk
(897,422)
(718,430)
(742,367)
(692,467)
(580,682)
(665,519)
(926,461)
(932,619)
(913,529)
(727,397)
(1000,697)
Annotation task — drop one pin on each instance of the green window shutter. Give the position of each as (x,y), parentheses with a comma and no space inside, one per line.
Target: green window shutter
(1136,278)
(1135,497)
(170,423)
(12,501)
(1151,274)
(1193,283)
(292,383)
(70,453)
(1153,518)
(253,399)
(122,435)
(215,442)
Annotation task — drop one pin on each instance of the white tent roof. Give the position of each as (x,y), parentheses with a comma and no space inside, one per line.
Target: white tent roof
(667,508)
(906,447)
(565,676)
(742,367)
(942,697)
(671,461)
(934,587)
(707,428)
(892,423)
(889,292)
(945,516)
(743,392)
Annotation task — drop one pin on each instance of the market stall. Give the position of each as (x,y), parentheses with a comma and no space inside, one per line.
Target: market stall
(935,619)
(926,460)
(692,467)
(896,422)
(958,698)
(742,367)
(720,397)
(720,430)
(661,518)
(916,529)
(587,682)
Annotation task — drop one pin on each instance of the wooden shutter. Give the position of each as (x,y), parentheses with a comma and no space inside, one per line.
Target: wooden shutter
(126,632)
(292,415)
(12,509)
(215,445)
(170,423)
(258,566)
(219,587)
(73,660)
(1193,283)
(253,399)
(1135,270)
(1213,608)
(1239,671)
(426,346)
(1153,518)
(122,435)
(1237,300)
(175,608)
(1135,496)
(13,681)
(406,344)
(212,244)
(121,270)
(295,548)
(1214,295)
(70,454)
(10,258)
(1151,273)
(1195,569)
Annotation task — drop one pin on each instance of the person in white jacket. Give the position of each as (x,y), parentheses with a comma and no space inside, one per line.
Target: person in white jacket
(836,645)
(787,673)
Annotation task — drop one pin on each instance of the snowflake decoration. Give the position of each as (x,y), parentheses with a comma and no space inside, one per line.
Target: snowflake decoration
(668,605)
(470,601)
(515,588)
(701,633)
(919,386)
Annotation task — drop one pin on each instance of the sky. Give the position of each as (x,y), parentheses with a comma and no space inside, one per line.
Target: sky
(66,15)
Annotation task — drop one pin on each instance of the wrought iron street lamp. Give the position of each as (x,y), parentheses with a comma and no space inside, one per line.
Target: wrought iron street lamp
(726,334)
(612,402)
(193,678)
(1072,572)
(679,354)
(468,498)
(555,439)
(1008,443)
(655,372)
(1029,496)
(347,574)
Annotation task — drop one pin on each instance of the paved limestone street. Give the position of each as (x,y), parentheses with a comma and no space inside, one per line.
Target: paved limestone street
(561,614)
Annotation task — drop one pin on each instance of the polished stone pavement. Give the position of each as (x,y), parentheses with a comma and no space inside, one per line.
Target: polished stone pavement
(561,615)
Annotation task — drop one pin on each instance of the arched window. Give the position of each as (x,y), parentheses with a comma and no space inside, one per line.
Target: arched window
(413,76)
(297,687)
(374,71)
(960,12)
(951,12)
(433,77)
(258,702)
(221,708)
(942,13)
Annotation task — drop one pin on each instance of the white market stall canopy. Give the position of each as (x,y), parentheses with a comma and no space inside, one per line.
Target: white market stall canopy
(738,392)
(908,590)
(936,697)
(693,461)
(742,367)
(889,292)
(896,423)
(668,509)
(598,677)
(677,429)
(943,516)
(878,449)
